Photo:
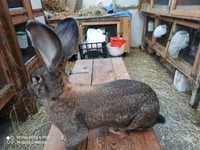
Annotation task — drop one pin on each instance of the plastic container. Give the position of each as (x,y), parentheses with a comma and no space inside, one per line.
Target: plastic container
(22,39)
(181,83)
(93,50)
(117,41)
(115,51)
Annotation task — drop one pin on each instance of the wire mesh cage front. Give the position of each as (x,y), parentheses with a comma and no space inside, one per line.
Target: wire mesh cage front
(93,50)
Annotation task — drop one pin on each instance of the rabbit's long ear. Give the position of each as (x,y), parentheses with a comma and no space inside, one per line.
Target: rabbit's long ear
(68,32)
(47,44)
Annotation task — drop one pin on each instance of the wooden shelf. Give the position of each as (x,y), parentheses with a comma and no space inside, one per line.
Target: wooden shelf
(182,66)
(189,12)
(19,15)
(159,49)
(18,19)
(17,11)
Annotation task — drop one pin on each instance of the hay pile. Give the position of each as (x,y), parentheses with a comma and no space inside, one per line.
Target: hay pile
(60,9)
(54,5)
(93,11)
(57,8)
(66,13)
(37,126)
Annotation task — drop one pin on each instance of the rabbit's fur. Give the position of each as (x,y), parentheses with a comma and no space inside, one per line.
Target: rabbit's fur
(123,105)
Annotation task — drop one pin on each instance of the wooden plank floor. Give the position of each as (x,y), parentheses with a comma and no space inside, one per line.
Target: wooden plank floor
(93,72)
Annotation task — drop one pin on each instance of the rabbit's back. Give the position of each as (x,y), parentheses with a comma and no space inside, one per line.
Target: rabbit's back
(116,103)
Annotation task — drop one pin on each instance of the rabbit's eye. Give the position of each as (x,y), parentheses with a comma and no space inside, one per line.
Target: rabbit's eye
(36,80)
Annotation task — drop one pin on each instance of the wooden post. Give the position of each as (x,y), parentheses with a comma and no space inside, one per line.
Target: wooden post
(152,3)
(173,30)
(195,99)
(144,32)
(157,21)
(196,63)
(173,4)
(28,7)
(20,76)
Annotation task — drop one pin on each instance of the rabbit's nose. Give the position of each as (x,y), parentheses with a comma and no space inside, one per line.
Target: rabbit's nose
(53,98)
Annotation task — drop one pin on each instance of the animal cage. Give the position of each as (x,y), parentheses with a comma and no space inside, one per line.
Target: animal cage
(160,6)
(189,53)
(188,2)
(164,39)
(186,8)
(97,49)
(161,2)
(110,30)
(150,26)
(146,5)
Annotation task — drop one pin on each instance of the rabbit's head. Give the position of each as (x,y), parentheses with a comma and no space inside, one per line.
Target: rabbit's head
(54,51)
(46,87)
(55,48)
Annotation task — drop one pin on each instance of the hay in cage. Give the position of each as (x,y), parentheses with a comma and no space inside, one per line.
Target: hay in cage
(98,10)
(54,5)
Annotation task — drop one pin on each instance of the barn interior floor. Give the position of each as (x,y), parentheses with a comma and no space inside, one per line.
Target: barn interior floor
(181,130)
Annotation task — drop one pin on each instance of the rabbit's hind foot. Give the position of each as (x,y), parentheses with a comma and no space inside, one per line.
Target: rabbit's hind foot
(118,132)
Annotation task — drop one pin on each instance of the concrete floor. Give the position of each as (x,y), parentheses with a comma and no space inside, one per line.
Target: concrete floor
(181,131)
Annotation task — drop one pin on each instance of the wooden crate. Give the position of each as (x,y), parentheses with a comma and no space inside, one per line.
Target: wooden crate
(123,27)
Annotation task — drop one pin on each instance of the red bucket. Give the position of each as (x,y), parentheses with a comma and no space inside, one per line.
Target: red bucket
(117,41)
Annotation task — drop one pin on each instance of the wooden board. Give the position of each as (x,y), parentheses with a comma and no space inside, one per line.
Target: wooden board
(98,71)
(99,140)
(101,71)
(55,140)
(119,69)
(82,73)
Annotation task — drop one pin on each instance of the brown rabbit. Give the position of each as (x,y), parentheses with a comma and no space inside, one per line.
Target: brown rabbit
(123,105)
